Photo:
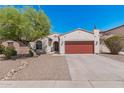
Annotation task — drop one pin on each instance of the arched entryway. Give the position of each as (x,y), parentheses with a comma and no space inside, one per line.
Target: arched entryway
(39,45)
(56,46)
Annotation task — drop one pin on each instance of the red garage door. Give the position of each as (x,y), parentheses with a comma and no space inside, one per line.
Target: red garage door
(79,47)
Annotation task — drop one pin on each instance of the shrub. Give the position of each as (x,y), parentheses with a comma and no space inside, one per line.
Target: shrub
(1,49)
(38,52)
(9,52)
(31,53)
(114,44)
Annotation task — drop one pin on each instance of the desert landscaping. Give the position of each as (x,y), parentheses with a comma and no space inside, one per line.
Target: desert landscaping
(31,55)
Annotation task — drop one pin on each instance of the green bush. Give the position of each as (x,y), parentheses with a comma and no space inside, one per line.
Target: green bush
(31,53)
(1,49)
(9,52)
(114,44)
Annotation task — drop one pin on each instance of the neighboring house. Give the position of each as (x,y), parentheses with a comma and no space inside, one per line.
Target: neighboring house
(75,42)
(114,31)
(20,48)
(119,31)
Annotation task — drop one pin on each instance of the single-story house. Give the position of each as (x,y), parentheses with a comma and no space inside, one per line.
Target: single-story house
(114,31)
(78,41)
(119,31)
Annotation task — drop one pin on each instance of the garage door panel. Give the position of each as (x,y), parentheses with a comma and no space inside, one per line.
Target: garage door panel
(78,47)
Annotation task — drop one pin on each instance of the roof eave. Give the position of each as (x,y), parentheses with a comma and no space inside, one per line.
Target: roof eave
(76,30)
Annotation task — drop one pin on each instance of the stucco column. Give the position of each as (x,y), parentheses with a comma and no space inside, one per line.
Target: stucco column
(32,45)
(61,45)
(96,41)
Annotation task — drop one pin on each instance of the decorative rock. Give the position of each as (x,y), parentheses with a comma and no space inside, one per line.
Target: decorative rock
(11,73)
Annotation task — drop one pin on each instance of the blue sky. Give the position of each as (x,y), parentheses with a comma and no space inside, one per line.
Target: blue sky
(66,18)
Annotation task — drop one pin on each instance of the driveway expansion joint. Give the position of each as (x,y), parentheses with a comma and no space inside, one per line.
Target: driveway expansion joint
(91,84)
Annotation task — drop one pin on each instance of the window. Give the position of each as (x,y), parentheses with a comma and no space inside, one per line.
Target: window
(38,45)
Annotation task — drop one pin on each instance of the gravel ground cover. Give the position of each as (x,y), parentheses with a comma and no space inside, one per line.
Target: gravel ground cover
(45,67)
(8,65)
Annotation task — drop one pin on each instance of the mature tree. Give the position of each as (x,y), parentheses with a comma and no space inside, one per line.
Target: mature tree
(9,23)
(25,24)
(37,24)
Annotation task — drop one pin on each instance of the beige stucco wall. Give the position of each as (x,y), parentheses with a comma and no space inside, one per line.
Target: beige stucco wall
(18,48)
(54,38)
(45,43)
(104,35)
(117,31)
(96,41)
(103,48)
(77,35)
(80,35)
(16,44)
(62,45)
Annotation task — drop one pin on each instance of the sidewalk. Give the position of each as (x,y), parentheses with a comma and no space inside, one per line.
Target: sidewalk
(61,84)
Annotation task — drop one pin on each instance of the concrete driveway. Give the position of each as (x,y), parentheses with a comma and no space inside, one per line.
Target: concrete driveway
(86,71)
(98,70)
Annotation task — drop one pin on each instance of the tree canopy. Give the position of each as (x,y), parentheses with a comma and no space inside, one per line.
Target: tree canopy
(24,24)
